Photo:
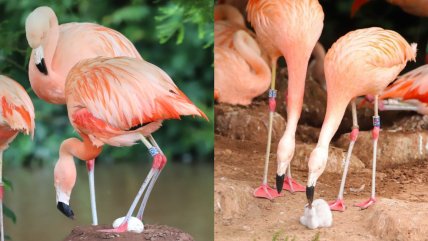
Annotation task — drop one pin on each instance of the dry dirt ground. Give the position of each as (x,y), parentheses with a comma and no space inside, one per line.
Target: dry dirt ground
(151,232)
(401,210)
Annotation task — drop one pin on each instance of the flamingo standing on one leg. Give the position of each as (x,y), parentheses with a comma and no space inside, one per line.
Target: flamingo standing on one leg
(16,115)
(117,101)
(408,92)
(57,48)
(362,62)
(288,28)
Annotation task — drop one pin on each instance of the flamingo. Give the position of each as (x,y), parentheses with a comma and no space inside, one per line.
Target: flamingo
(408,92)
(414,7)
(57,48)
(288,28)
(116,101)
(362,62)
(16,115)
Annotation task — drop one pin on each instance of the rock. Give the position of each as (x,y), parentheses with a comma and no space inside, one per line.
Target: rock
(335,159)
(408,224)
(413,146)
(413,122)
(307,133)
(232,198)
(247,123)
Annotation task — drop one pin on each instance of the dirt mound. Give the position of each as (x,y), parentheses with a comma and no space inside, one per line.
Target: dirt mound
(335,159)
(394,148)
(407,224)
(151,232)
(247,123)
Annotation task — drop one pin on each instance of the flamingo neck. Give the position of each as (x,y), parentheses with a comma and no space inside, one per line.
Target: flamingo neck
(334,115)
(51,41)
(297,68)
(83,150)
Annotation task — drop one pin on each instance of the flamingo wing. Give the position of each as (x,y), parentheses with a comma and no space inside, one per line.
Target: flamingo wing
(16,108)
(412,85)
(125,92)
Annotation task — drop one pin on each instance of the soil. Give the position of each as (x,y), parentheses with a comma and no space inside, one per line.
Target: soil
(151,232)
(401,210)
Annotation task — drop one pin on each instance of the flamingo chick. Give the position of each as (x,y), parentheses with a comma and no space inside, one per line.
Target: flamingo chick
(408,92)
(16,115)
(291,29)
(57,48)
(360,63)
(117,101)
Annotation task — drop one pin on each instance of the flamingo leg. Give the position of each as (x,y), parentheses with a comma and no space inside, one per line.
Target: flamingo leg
(90,165)
(1,197)
(375,135)
(264,191)
(159,161)
(152,183)
(292,185)
(339,205)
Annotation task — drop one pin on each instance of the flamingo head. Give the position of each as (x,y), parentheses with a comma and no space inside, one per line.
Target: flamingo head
(317,163)
(64,180)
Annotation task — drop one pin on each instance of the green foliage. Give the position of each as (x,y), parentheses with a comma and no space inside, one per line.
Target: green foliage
(9,213)
(145,23)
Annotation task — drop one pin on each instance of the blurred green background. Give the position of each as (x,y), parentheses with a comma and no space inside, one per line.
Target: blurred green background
(175,35)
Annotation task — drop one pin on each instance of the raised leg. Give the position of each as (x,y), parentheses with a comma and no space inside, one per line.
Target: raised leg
(264,191)
(339,205)
(159,162)
(1,197)
(375,135)
(90,165)
(292,185)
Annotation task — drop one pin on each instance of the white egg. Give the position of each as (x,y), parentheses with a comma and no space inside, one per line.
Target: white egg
(134,224)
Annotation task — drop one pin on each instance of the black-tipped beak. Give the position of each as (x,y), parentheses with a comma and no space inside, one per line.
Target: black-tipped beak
(310,195)
(42,67)
(65,209)
(279,182)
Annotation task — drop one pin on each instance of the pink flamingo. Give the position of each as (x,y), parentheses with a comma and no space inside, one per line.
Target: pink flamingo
(362,62)
(408,92)
(291,29)
(117,101)
(414,7)
(16,115)
(57,48)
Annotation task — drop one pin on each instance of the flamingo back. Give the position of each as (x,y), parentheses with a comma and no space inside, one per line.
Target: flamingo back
(412,85)
(125,92)
(365,61)
(16,108)
(283,26)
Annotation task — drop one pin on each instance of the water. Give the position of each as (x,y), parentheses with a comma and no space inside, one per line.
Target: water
(182,197)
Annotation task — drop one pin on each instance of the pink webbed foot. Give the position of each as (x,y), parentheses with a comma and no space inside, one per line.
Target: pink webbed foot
(337,205)
(292,186)
(366,204)
(264,191)
(121,229)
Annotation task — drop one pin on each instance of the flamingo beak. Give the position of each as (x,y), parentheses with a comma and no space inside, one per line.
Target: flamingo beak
(279,182)
(40,60)
(310,190)
(65,209)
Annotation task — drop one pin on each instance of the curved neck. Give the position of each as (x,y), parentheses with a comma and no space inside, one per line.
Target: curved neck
(83,150)
(333,117)
(250,52)
(51,40)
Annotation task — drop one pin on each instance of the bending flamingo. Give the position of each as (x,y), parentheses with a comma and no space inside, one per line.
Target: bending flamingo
(16,115)
(288,28)
(57,48)
(117,101)
(362,62)
(408,92)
